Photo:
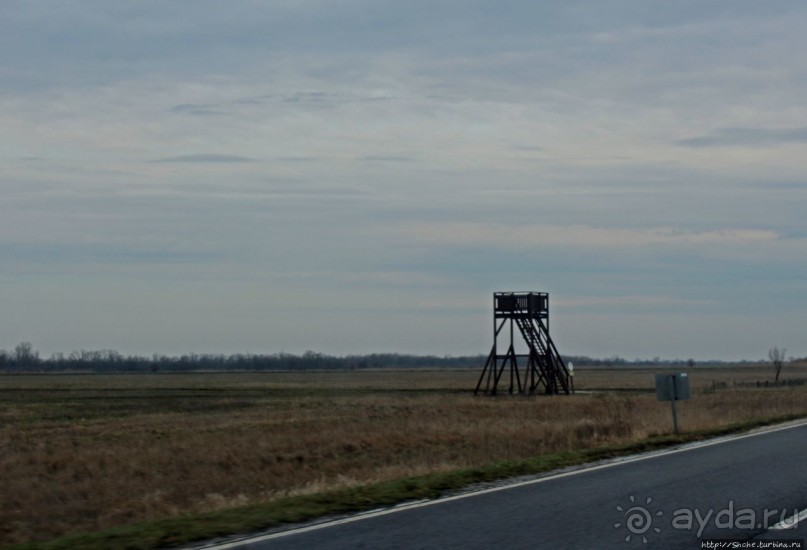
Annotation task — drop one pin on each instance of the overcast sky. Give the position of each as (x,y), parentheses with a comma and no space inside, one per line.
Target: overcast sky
(353,176)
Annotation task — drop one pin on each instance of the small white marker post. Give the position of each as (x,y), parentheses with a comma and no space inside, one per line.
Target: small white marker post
(571,375)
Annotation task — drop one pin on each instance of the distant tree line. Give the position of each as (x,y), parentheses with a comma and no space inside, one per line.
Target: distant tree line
(617,361)
(24,358)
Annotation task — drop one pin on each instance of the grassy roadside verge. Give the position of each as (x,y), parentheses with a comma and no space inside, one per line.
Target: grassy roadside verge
(198,527)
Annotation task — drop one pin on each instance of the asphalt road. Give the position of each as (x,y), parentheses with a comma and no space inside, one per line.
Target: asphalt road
(732,489)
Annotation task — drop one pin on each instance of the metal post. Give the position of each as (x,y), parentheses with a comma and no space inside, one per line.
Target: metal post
(672,403)
(675,416)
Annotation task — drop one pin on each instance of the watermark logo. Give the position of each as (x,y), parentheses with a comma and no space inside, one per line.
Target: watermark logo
(638,520)
(644,520)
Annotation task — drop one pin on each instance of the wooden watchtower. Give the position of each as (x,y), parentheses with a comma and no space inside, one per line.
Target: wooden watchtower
(541,368)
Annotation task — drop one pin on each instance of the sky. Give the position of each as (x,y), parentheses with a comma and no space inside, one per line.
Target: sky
(357,176)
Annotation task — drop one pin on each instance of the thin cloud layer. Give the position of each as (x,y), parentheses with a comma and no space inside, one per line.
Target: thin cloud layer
(748,137)
(287,175)
(579,236)
(204,158)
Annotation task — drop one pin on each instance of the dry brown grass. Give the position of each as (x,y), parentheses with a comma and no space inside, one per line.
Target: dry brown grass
(82,453)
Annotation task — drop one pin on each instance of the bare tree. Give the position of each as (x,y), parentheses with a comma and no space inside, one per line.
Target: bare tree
(777,357)
(25,354)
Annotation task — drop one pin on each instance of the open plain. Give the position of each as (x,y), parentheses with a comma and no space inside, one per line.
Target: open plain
(84,452)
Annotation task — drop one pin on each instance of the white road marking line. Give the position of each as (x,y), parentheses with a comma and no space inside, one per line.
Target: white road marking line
(791,522)
(422,503)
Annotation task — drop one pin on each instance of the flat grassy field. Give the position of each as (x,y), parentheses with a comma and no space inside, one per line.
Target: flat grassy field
(82,453)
